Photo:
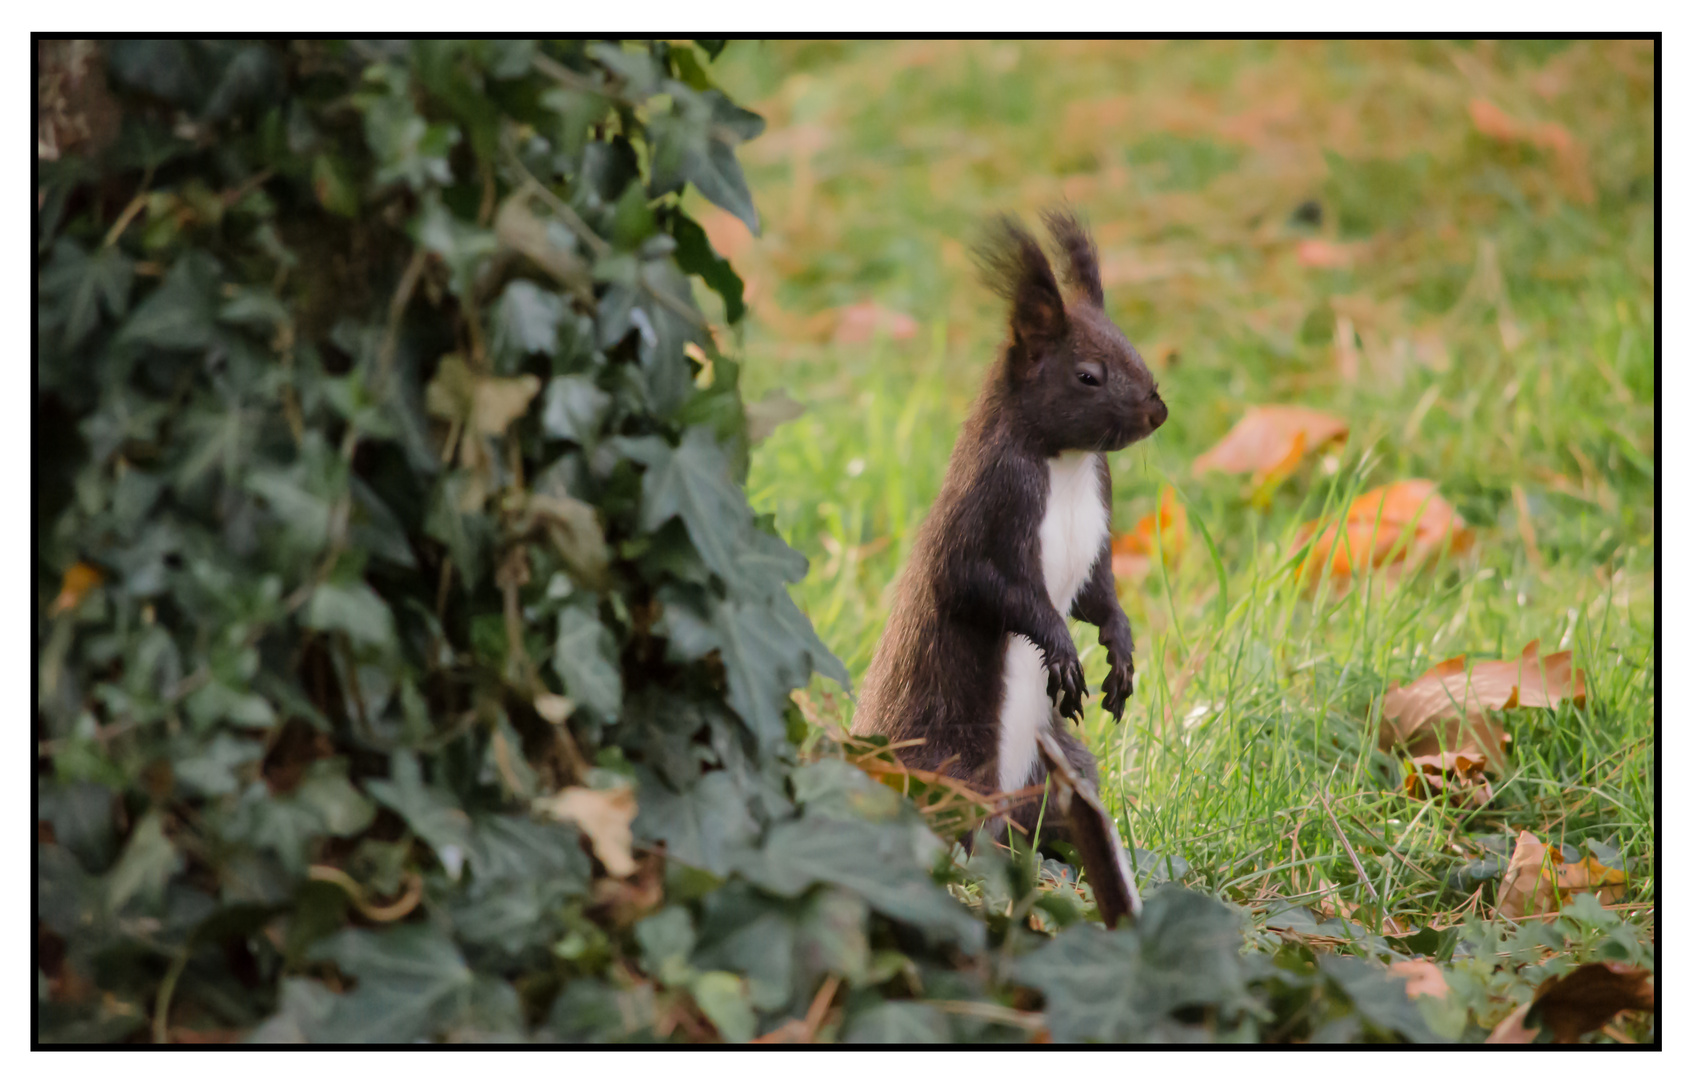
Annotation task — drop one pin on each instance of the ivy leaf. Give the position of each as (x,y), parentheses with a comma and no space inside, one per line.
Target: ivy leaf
(303,1006)
(212,772)
(506,848)
(461,245)
(769,650)
(1379,996)
(899,1022)
(695,142)
(707,826)
(326,803)
(85,283)
(407,147)
(353,608)
(584,656)
(692,482)
(412,981)
(722,997)
(181,312)
(574,409)
(1125,985)
(147,864)
(431,812)
(882,862)
(694,255)
(525,321)
(587,1010)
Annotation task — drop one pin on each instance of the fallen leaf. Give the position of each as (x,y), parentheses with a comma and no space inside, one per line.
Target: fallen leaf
(1132,554)
(776,408)
(1425,979)
(1589,875)
(1325,255)
(1490,120)
(78,582)
(1373,532)
(606,816)
(1528,885)
(1270,440)
(728,235)
(859,324)
(1457,773)
(1446,707)
(1573,1005)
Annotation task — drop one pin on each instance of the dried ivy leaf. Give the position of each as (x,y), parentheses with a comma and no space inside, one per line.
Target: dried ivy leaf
(606,816)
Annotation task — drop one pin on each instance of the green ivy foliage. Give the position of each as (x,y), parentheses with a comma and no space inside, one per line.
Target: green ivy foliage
(394,554)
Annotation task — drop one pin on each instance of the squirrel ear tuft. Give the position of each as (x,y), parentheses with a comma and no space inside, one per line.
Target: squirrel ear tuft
(1014,266)
(1079,254)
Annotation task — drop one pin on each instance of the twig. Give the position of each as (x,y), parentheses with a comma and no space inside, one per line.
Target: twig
(167,990)
(1348,850)
(393,912)
(997,1014)
(818,1008)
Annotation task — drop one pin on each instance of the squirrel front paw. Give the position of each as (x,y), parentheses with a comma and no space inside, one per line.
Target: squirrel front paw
(1117,640)
(1067,684)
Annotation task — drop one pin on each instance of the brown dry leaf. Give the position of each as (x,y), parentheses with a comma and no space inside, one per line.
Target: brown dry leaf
(1374,531)
(1133,554)
(859,323)
(80,580)
(1457,773)
(1573,1005)
(1529,885)
(1270,440)
(1589,875)
(606,816)
(1425,979)
(500,401)
(1446,707)
(1490,120)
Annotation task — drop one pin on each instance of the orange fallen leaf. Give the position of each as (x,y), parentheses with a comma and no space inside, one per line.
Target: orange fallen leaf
(1403,522)
(1589,875)
(1425,979)
(1579,1002)
(728,235)
(78,582)
(1325,255)
(1446,708)
(1529,884)
(1491,121)
(1133,553)
(1270,440)
(1460,774)
(859,323)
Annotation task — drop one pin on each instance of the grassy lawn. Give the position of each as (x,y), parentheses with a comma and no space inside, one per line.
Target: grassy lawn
(1449,246)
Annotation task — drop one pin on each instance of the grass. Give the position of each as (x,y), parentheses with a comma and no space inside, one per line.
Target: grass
(1490,326)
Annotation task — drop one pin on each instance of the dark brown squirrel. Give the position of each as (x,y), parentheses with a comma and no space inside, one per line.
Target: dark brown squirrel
(977,657)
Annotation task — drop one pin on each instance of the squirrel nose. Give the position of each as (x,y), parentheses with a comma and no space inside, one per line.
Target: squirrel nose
(1157,413)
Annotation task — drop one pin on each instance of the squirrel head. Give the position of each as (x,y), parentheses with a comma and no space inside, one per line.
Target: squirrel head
(1075,382)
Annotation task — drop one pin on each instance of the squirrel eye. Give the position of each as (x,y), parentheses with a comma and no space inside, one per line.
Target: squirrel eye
(1088,378)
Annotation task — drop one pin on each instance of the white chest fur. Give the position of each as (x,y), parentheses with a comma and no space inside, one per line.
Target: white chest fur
(1071,536)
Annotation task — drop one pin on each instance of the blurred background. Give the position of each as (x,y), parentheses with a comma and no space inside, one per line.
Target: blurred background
(1447,246)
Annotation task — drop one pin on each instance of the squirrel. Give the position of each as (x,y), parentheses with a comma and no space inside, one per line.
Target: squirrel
(977,657)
